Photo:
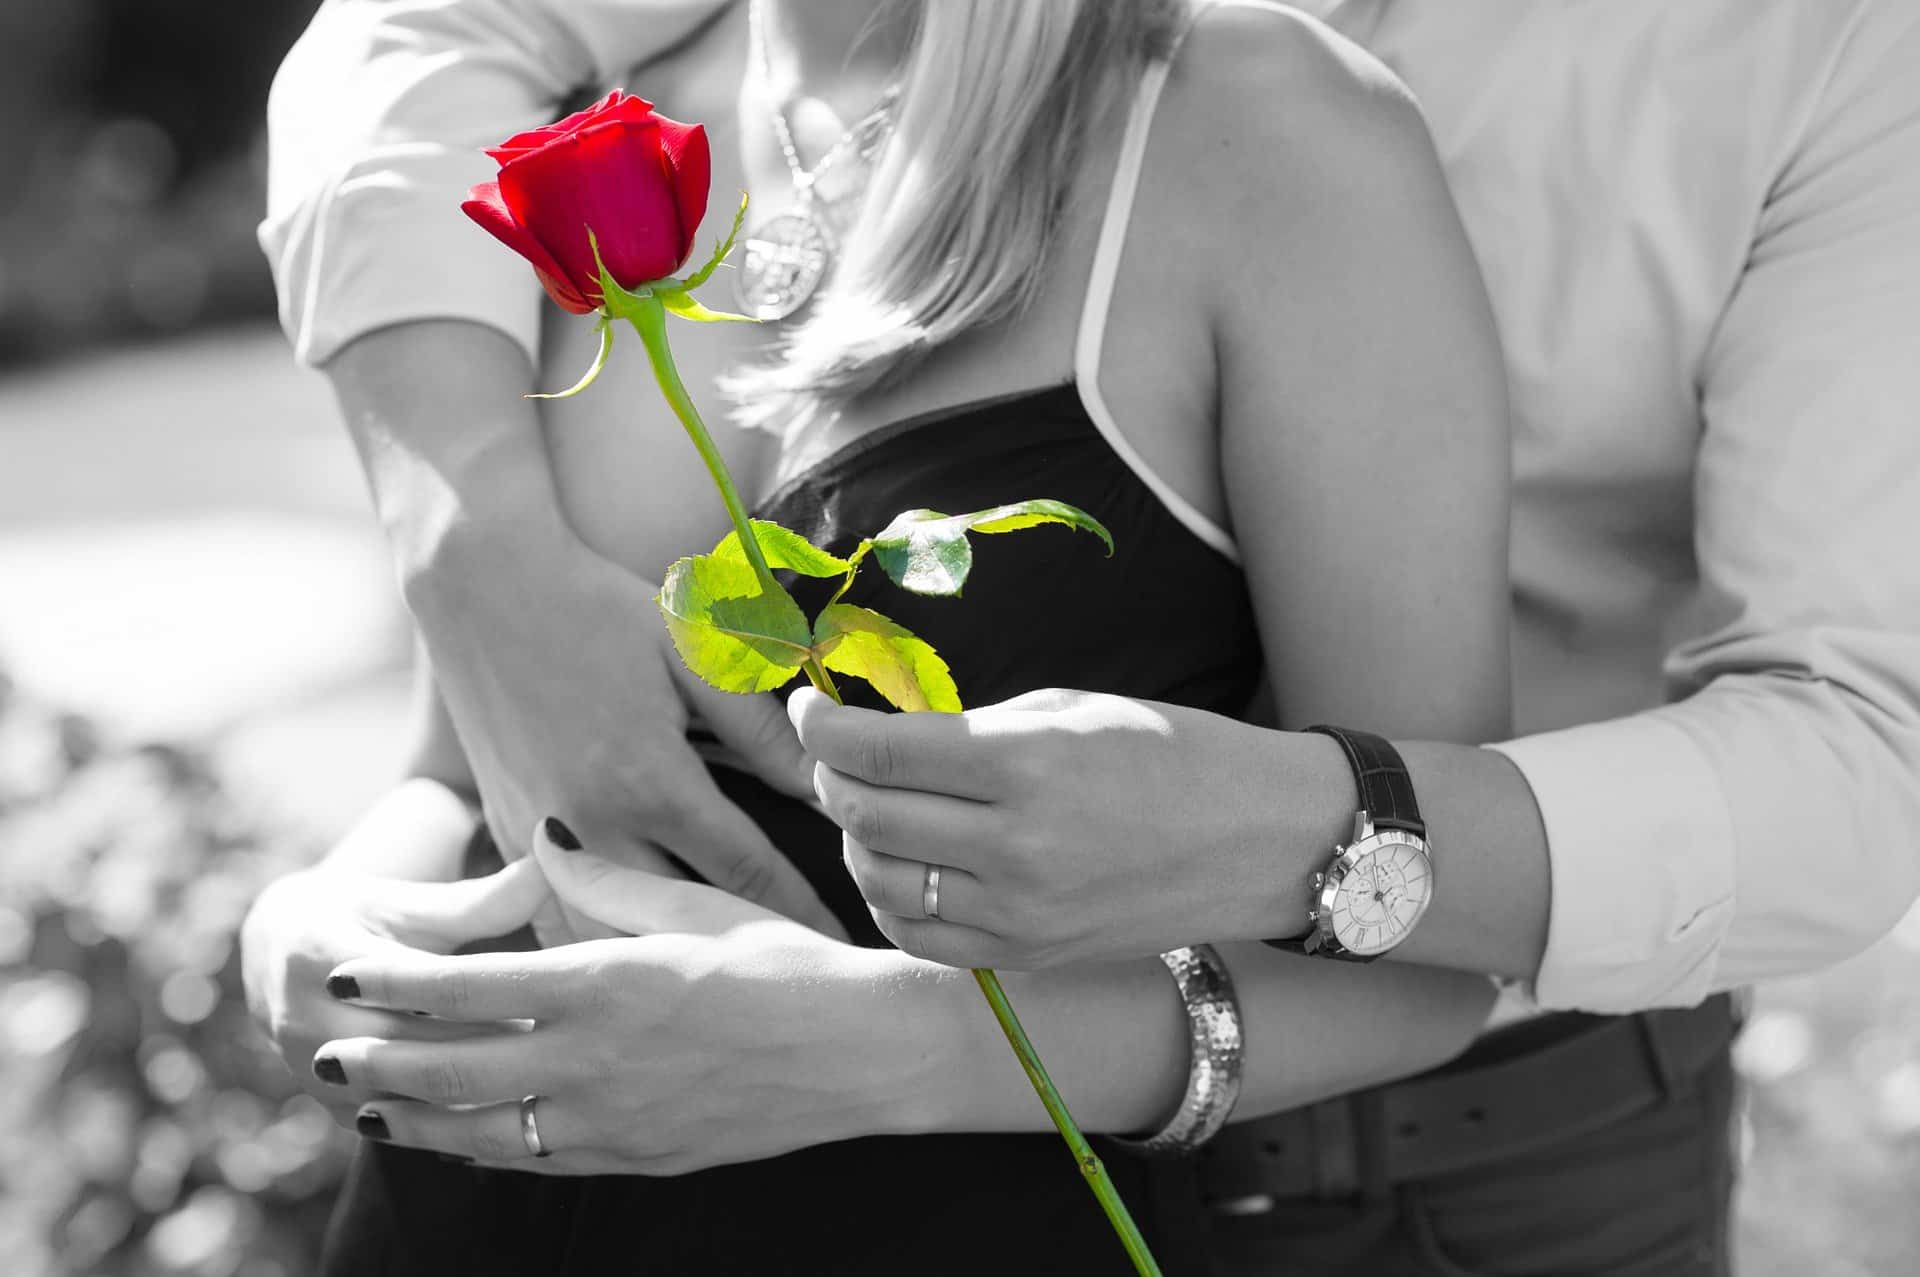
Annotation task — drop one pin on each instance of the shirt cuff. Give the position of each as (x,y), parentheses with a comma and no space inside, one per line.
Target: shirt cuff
(388,244)
(1641,851)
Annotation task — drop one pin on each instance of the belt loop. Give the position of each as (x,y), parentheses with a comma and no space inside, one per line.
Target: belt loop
(1657,1058)
(1658,1031)
(1349,1142)
(1336,1148)
(1369,1110)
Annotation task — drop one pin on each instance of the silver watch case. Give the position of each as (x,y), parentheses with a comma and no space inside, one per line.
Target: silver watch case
(1321,941)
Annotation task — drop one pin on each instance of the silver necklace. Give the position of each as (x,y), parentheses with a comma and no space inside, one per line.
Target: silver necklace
(789,253)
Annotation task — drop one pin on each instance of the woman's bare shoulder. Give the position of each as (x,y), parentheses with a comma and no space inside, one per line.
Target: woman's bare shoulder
(1284,140)
(1266,104)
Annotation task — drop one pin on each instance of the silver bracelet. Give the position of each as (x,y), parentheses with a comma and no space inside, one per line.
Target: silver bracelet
(1213,1075)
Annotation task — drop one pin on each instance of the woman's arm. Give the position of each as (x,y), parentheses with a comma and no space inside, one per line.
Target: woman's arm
(1366,455)
(1363,462)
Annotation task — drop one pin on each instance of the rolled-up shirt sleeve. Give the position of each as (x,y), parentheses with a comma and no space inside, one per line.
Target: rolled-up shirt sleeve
(375,125)
(1767,822)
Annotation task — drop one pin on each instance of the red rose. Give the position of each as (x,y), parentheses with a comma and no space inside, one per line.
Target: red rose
(639,180)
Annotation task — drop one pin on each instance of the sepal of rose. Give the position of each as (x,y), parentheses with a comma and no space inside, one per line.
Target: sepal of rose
(673,293)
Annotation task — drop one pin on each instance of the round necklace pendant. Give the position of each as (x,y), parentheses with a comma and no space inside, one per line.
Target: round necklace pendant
(787,256)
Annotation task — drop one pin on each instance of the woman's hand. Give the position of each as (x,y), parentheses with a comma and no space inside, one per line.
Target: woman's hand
(1075,827)
(723,1033)
(307,923)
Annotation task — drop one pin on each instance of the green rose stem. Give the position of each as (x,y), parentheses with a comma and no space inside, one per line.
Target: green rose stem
(649,318)
(1090,1165)
(647,311)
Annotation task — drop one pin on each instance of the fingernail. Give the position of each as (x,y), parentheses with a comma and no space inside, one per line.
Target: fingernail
(372,1125)
(328,1069)
(559,835)
(343,986)
(456,1159)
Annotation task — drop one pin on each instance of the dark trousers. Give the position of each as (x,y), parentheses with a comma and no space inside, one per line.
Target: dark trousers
(1645,1194)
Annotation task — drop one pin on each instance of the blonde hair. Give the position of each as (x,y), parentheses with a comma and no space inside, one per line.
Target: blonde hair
(997,99)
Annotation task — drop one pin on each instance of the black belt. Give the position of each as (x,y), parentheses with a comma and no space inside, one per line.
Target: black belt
(1520,1089)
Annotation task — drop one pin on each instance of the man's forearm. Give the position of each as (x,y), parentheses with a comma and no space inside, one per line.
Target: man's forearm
(1493,887)
(1491,871)
(452,449)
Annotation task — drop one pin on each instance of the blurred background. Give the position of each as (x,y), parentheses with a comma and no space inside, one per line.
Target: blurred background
(202,669)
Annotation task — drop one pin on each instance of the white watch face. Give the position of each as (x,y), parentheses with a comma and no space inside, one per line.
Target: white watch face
(1387,885)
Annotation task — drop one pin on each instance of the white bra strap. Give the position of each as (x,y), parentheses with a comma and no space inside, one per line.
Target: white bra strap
(1093,317)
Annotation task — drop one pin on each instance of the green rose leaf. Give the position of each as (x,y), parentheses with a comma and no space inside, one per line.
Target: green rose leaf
(928,552)
(729,631)
(783,548)
(902,667)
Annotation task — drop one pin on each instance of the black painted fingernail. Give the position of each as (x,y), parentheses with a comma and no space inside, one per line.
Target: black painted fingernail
(559,835)
(343,986)
(328,1069)
(456,1159)
(372,1125)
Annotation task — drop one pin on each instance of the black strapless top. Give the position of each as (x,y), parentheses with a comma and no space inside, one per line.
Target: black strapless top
(1167,618)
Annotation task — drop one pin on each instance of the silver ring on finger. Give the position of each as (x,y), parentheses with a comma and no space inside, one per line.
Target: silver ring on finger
(530,1127)
(930,892)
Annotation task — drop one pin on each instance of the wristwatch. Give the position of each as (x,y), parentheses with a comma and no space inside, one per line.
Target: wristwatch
(1378,886)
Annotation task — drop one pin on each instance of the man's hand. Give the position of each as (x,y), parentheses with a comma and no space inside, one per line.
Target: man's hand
(552,661)
(570,702)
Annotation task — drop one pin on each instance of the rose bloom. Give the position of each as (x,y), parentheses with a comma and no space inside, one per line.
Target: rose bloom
(637,179)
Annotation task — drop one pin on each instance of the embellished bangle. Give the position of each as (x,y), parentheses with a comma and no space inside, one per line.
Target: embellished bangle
(1214,1039)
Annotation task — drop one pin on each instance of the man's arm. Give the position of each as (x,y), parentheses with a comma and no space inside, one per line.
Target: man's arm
(1764,825)
(375,126)
(551,660)
(429,334)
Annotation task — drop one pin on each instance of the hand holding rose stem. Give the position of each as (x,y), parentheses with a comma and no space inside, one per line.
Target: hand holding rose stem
(645,179)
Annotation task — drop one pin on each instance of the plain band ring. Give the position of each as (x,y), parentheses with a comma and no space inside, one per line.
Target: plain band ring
(530,1127)
(930,892)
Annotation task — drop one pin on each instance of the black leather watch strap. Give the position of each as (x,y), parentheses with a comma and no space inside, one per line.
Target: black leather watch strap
(1386,791)
(1386,795)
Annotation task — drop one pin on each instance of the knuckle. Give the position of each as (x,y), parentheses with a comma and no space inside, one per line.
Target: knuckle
(602,1069)
(456,991)
(897,929)
(1017,917)
(749,876)
(876,754)
(443,1080)
(1023,853)
(860,817)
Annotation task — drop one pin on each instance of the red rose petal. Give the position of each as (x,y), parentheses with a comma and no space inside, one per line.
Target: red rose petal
(617,105)
(610,177)
(485,206)
(563,294)
(691,163)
